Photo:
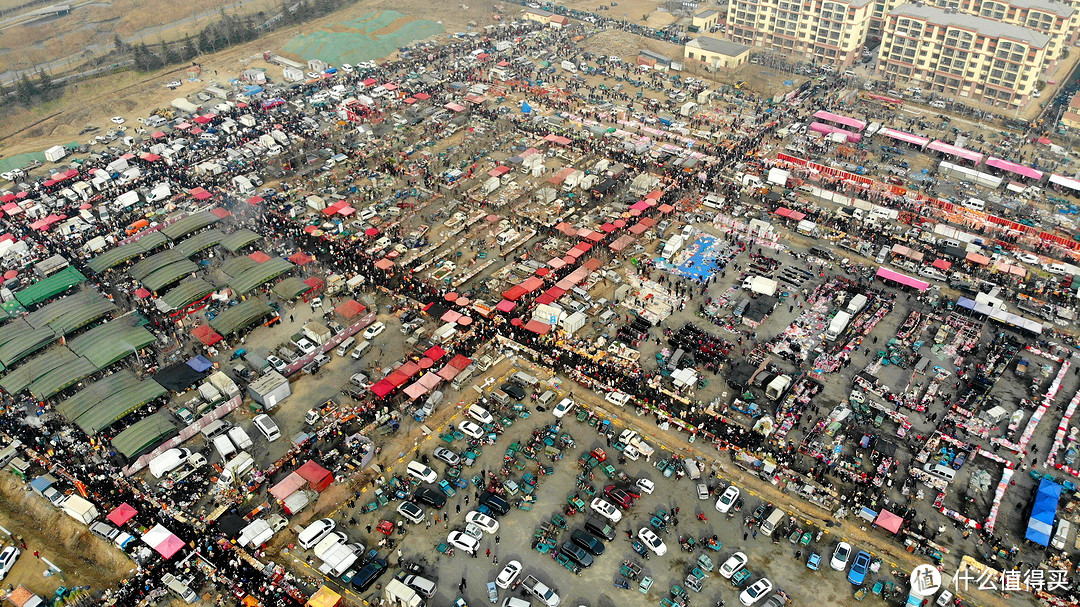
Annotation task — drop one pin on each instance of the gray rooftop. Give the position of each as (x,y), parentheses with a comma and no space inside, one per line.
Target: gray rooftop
(705,14)
(718,45)
(982,25)
(1057,7)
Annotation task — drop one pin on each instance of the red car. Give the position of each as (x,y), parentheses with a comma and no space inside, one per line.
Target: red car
(619,497)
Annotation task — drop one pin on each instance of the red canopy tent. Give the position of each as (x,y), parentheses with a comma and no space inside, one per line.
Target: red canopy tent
(259,257)
(435,352)
(207,335)
(384,264)
(889,521)
(140,293)
(941,264)
(318,477)
(300,258)
(200,193)
(350,309)
(122,514)
(382,387)
(538,327)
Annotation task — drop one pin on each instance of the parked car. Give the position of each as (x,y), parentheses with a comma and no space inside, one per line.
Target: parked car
(483,521)
(374,330)
(460,540)
(756,591)
(840,556)
(652,541)
(733,563)
(727,499)
(859,566)
(431,497)
(606,510)
(508,574)
(446,455)
(618,497)
(587,541)
(577,553)
(645,485)
(564,407)
(7,560)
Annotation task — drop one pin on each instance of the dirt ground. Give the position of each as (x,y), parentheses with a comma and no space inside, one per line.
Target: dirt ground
(132,94)
(629,10)
(84,558)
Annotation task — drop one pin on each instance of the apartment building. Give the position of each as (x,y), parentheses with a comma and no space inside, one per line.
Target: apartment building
(962,55)
(1058,19)
(828,31)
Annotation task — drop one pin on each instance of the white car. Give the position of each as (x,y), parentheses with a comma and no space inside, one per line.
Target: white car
(421,472)
(314,75)
(508,574)
(480,414)
(305,345)
(756,591)
(117,120)
(345,67)
(561,409)
(606,510)
(617,398)
(483,521)
(468,543)
(840,556)
(652,541)
(727,499)
(1027,257)
(471,429)
(374,330)
(175,84)
(733,563)
(316,303)
(645,485)
(7,560)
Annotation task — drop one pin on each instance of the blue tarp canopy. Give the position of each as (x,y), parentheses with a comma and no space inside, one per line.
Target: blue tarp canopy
(41,483)
(1043,512)
(200,364)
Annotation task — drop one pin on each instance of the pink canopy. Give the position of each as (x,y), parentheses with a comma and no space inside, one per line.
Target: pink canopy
(415,390)
(828,129)
(847,121)
(889,521)
(915,283)
(905,137)
(1013,167)
(287,486)
(121,514)
(952,150)
(505,306)
(163,541)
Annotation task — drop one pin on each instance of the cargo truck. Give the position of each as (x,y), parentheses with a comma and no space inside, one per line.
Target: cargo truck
(837,326)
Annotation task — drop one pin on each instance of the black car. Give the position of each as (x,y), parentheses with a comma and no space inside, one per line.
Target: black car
(367,576)
(600,527)
(431,497)
(588,541)
(496,504)
(515,391)
(577,553)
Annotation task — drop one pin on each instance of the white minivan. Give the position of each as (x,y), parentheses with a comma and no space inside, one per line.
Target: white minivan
(343,349)
(266,425)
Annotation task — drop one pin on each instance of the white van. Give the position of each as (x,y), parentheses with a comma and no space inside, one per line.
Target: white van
(975,204)
(546,398)
(215,428)
(266,425)
(525,379)
(179,588)
(1061,535)
(421,472)
(506,237)
(345,345)
(480,414)
(224,447)
(168,461)
(240,438)
(945,473)
(315,532)
(770,523)
(237,467)
(359,350)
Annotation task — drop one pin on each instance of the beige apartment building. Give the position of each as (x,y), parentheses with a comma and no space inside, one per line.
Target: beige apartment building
(961,55)
(1058,19)
(828,31)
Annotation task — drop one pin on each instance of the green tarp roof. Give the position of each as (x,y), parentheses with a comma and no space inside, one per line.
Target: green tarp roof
(49,287)
(19,340)
(72,312)
(18,379)
(12,308)
(110,410)
(117,256)
(235,266)
(155,262)
(238,240)
(189,224)
(143,434)
(240,316)
(289,288)
(169,274)
(107,343)
(200,241)
(188,291)
(61,377)
(260,274)
(86,399)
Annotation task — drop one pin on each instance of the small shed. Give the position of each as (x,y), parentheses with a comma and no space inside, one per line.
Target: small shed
(270,389)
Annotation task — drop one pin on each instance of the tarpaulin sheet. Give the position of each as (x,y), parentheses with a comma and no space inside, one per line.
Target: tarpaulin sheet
(382,387)
(1043,512)
(821,127)
(121,514)
(888,274)
(905,137)
(1065,181)
(287,486)
(1013,167)
(945,148)
(982,260)
(318,477)
(854,123)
